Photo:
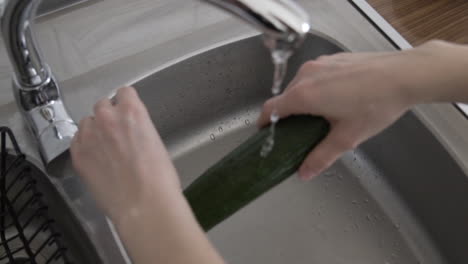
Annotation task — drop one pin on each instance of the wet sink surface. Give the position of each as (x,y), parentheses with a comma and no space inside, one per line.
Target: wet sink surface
(399,198)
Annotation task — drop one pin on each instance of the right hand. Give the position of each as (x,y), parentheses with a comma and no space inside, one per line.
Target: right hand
(122,158)
(360,94)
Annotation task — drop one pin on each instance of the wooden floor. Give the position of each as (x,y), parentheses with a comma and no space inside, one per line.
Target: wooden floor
(421,20)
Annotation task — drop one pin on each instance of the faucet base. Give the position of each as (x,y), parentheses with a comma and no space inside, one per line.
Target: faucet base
(47,117)
(57,136)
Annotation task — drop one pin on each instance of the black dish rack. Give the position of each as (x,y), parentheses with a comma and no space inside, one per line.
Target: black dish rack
(27,234)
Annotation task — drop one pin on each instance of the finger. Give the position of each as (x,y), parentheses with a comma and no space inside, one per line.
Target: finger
(74,144)
(326,153)
(337,57)
(289,103)
(104,112)
(352,57)
(294,81)
(324,57)
(102,105)
(306,69)
(84,129)
(268,108)
(126,96)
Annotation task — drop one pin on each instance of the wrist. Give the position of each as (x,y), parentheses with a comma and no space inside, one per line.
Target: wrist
(147,206)
(437,72)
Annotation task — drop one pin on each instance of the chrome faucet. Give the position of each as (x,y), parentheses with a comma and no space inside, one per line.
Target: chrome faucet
(34,86)
(281,21)
(37,92)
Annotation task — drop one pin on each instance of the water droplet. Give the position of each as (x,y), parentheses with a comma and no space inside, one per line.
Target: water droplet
(213,137)
(247,122)
(369,218)
(274,118)
(220,129)
(269,142)
(355,202)
(340,177)
(366,200)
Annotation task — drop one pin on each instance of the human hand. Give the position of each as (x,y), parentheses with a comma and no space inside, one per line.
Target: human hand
(121,157)
(360,94)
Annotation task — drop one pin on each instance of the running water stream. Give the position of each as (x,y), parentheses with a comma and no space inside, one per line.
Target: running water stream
(280,59)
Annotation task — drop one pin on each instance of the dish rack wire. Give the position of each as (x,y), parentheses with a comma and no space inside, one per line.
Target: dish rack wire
(27,234)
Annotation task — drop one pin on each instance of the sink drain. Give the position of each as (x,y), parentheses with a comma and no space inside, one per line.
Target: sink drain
(27,234)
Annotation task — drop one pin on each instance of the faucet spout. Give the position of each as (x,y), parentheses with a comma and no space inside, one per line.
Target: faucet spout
(281,20)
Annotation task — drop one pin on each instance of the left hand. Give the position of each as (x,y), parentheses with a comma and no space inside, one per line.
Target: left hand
(360,94)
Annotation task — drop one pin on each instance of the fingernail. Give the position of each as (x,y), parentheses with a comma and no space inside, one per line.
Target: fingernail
(307,174)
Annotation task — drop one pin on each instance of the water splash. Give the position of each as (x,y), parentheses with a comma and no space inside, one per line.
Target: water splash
(270,140)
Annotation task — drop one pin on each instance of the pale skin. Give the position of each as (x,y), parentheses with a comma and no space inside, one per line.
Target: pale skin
(120,155)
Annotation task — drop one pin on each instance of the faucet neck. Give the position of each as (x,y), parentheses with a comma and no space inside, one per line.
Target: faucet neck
(36,90)
(30,70)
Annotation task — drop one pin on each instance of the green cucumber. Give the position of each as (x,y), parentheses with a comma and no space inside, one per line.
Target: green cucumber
(243,175)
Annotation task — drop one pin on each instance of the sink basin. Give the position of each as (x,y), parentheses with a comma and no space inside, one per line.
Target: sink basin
(399,198)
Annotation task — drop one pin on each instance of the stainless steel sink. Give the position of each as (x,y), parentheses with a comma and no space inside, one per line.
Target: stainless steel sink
(399,198)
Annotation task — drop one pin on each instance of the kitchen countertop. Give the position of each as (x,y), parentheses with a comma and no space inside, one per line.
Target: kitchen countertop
(101,45)
(419,20)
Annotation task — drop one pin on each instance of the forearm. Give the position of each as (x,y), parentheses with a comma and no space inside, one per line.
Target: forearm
(164,230)
(437,72)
